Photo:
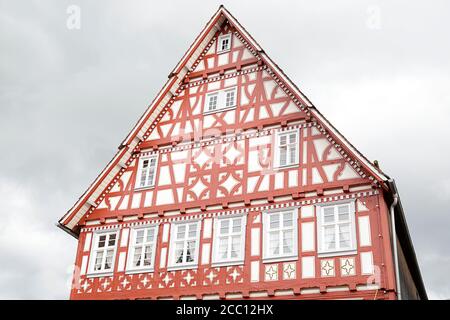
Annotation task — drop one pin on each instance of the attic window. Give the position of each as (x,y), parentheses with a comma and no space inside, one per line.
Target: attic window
(286,151)
(220,100)
(146,172)
(224,43)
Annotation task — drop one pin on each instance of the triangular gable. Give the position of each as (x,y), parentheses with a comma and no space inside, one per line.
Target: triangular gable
(169,99)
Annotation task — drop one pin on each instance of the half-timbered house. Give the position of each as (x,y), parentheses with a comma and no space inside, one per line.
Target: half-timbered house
(233,185)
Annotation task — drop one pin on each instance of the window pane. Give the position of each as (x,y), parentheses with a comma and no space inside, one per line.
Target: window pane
(283,155)
(287,219)
(229,100)
(181,230)
(292,154)
(147,255)
(109,259)
(282,140)
(139,236)
(292,138)
(328,214)
(137,257)
(274,221)
(101,241)
(212,102)
(98,260)
(150,234)
(223,247)
(274,243)
(343,212)
(179,252)
(190,251)
(237,225)
(224,225)
(235,246)
(287,241)
(192,230)
(330,242)
(144,173)
(344,236)
(112,239)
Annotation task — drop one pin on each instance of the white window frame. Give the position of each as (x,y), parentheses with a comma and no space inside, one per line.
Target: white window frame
(209,96)
(150,184)
(95,249)
(173,239)
(217,260)
(221,39)
(132,248)
(221,100)
(267,256)
(321,225)
(277,153)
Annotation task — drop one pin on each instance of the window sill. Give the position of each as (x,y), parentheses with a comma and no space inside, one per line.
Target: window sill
(143,270)
(182,267)
(218,110)
(99,274)
(227,263)
(224,51)
(144,188)
(336,253)
(280,259)
(288,166)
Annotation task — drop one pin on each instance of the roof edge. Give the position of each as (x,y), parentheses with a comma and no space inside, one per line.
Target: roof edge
(406,242)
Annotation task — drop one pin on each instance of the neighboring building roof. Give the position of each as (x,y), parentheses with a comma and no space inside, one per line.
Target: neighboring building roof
(89,200)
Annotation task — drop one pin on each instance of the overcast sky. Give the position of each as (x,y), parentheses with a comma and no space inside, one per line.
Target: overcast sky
(378,70)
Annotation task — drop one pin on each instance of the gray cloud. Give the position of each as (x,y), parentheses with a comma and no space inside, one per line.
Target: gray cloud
(69,97)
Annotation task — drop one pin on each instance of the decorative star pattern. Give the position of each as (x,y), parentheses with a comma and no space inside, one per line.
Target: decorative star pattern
(105,284)
(145,281)
(289,271)
(125,282)
(85,286)
(327,268)
(211,277)
(271,272)
(347,266)
(234,275)
(166,279)
(188,278)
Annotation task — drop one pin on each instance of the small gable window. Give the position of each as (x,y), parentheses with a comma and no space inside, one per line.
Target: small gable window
(220,100)
(146,171)
(224,43)
(286,148)
(212,101)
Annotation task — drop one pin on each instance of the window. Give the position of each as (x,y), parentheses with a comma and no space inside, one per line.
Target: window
(230,98)
(286,148)
(336,228)
(212,101)
(184,243)
(220,100)
(146,172)
(229,240)
(224,43)
(280,235)
(142,249)
(103,253)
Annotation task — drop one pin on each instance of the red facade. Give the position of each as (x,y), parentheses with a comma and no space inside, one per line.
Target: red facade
(232,185)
